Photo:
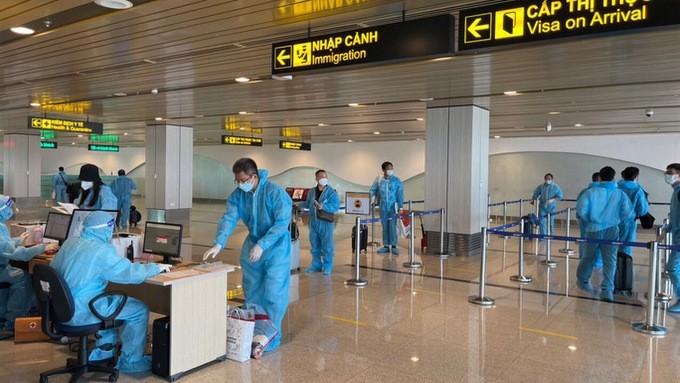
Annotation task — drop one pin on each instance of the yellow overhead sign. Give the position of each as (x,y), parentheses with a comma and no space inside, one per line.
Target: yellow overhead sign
(240,140)
(62,125)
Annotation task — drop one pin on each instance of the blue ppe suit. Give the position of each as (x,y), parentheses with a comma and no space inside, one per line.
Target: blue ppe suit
(390,190)
(582,228)
(321,232)
(106,200)
(266,212)
(20,298)
(87,265)
(602,207)
(628,227)
(59,182)
(673,264)
(543,193)
(122,188)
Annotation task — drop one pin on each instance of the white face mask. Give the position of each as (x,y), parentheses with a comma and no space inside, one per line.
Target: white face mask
(86,185)
(671,178)
(390,172)
(323,181)
(548,182)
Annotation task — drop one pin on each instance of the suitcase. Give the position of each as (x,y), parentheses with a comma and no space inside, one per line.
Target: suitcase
(363,240)
(528,226)
(623,279)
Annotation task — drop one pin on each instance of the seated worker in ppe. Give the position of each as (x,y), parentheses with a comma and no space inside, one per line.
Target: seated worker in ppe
(20,298)
(87,265)
(321,198)
(389,192)
(94,194)
(602,208)
(547,194)
(265,208)
(628,228)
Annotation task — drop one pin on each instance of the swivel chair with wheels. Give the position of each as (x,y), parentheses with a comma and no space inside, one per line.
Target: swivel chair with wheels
(56,306)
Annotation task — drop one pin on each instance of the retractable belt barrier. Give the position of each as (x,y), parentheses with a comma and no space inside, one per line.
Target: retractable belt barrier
(402,216)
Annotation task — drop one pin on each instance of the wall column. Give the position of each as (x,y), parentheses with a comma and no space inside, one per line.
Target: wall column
(456,175)
(22,166)
(169,168)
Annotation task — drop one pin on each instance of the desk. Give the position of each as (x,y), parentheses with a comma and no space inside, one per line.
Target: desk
(197,306)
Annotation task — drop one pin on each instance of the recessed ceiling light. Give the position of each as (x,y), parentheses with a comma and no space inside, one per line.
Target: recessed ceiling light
(22,30)
(554,112)
(242,112)
(322,124)
(578,125)
(402,132)
(239,45)
(350,141)
(376,132)
(125,134)
(426,99)
(242,79)
(510,93)
(80,136)
(149,61)
(419,139)
(572,348)
(353,104)
(420,119)
(35,104)
(120,94)
(286,77)
(114,4)
(242,128)
(496,136)
(158,118)
(73,143)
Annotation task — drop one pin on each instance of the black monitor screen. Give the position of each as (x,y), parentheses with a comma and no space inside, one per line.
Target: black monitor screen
(57,226)
(163,239)
(77,219)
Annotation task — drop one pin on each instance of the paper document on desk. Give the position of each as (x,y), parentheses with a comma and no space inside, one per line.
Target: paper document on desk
(177,274)
(66,208)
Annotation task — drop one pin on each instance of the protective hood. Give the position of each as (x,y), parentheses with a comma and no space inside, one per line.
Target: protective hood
(98,226)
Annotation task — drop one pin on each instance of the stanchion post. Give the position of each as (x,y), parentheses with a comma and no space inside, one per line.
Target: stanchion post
(667,252)
(488,208)
(566,249)
(660,288)
(548,249)
(373,242)
(442,223)
(649,327)
(357,281)
(520,277)
(412,248)
(521,202)
(481,299)
(505,216)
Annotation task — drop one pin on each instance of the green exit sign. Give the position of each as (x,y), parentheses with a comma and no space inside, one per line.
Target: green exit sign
(47,135)
(104,138)
(48,145)
(103,148)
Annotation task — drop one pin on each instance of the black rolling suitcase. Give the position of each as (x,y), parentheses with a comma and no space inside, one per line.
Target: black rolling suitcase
(623,279)
(363,240)
(528,225)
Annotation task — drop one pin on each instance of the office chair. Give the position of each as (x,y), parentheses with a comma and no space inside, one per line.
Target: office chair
(56,306)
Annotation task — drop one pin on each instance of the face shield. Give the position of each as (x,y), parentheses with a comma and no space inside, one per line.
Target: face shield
(7,208)
(100,225)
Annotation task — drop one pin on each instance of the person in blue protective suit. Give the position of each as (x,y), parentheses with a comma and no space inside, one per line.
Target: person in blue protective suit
(265,208)
(60,183)
(20,298)
(672,177)
(602,208)
(547,194)
(628,184)
(582,224)
(88,264)
(94,194)
(321,198)
(122,188)
(389,193)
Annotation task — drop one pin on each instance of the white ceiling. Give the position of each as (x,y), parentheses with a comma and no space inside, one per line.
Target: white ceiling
(195,49)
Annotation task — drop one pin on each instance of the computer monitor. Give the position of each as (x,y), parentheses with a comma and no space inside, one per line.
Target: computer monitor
(77,218)
(57,226)
(163,239)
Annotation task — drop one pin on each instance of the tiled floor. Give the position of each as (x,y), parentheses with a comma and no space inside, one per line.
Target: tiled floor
(417,326)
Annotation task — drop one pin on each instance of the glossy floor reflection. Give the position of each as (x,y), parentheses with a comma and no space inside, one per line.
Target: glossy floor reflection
(417,326)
